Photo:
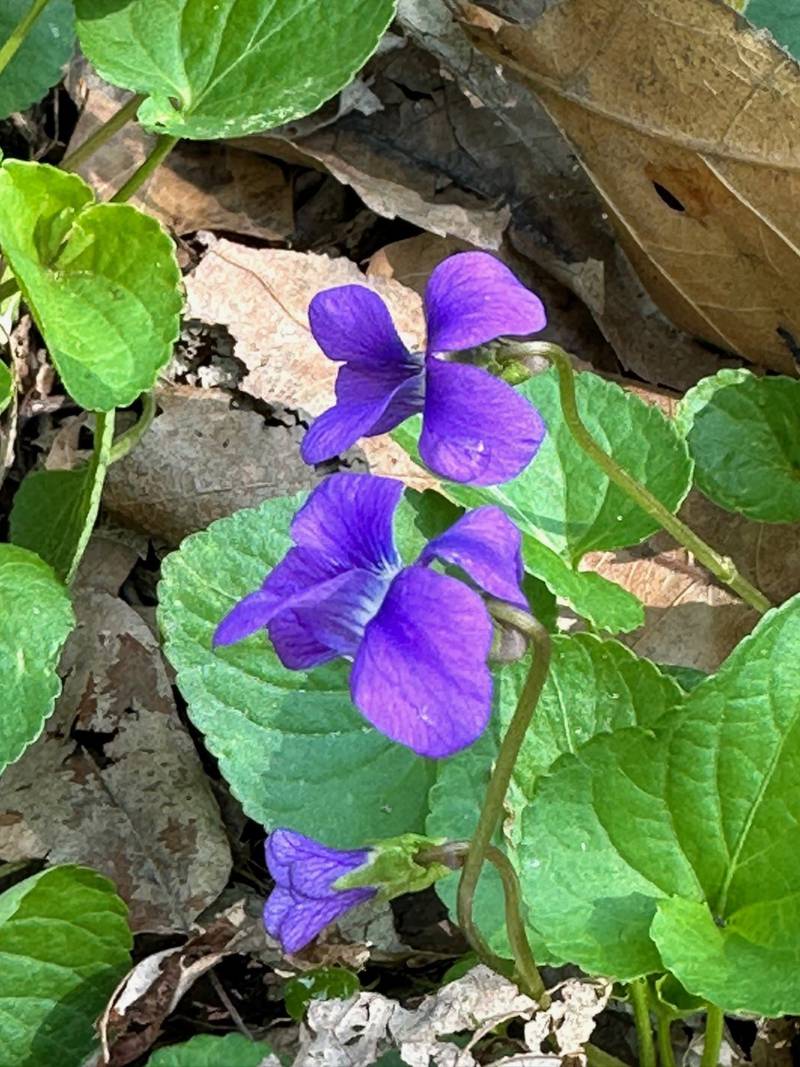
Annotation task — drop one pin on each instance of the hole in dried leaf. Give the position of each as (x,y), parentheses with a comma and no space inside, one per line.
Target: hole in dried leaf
(669,198)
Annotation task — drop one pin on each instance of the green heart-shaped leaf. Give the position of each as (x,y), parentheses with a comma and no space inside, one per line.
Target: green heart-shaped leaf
(101,280)
(677,847)
(205,1050)
(226,68)
(39,62)
(35,620)
(290,743)
(593,687)
(64,944)
(744,435)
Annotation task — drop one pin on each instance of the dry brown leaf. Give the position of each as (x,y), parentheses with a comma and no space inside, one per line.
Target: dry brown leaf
(200,186)
(687,122)
(262,297)
(203,459)
(115,781)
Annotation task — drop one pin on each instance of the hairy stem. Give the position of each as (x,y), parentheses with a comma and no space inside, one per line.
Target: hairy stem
(128,440)
(492,809)
(530,979)
(666,1057)
(11,46)
(715,1024)
(102,134)
(163,147)
(720,566)
(641,1015)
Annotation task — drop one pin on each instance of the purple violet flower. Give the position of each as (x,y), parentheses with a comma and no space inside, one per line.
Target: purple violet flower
(418,639)
(304,899)
(475,427)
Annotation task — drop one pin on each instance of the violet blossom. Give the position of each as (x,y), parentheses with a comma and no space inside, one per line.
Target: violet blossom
(418,639)
(304,899)
(475,427)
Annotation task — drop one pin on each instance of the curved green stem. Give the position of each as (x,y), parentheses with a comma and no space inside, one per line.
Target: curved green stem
(715,1025)
(11,46)
(163,147)
(720,566)
(494,800)
(666,1057)
(128,440)
(102,134)
(530,979)
(641,1015)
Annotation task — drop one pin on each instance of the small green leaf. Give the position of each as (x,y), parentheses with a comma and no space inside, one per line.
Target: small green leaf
(35,620)
(64,944)
(6,387)
(593,687)
(101,280)
(744,435)
(226,68)
(205,1050)
(40,60)
(327,983)
(290,743)
(676,847)
(54,512)
(780,17)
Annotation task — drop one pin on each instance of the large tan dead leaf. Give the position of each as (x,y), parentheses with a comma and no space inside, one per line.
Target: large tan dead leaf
(687,122)
(115,781)
(202,459)
(262,297)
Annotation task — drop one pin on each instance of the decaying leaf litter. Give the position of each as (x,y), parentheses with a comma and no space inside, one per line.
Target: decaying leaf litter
(659,233)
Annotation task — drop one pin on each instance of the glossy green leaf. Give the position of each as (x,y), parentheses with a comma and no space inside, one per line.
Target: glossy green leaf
(35,620)
(677,846)
(226,68)
(6,387)
(39,62)
(206,1050)
(744,435)
(780,17)
(290,743)
(64,944)
(326,983)
(54,512)
(593,687)
(101,280)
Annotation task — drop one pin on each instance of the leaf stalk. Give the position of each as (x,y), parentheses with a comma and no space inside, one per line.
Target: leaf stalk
(17,36)
(163,147)
(640,1003)
(102,134)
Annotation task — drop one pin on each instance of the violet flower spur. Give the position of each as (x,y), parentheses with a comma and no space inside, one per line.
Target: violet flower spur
(475,427)
(304,899)
(418,639)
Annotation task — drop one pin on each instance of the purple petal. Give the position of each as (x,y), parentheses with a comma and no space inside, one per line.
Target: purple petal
(348,520)
(327,622)
(295,921)
(288,851)
(372,398)
(487,546)
(472,298)
(352,323)
(420,675)
(298,574)
(475,427)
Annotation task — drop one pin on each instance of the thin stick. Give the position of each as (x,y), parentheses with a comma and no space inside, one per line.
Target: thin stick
(229,1006)
(641,1015)
(163,147)
(720,566)
(494,800)
(102,134)
(20,32)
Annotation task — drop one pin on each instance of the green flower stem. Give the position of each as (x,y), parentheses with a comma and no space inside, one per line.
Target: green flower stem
(596,1057)
(163,147)
(494,800)
(20,32)
(666,1057)
(102,134)
(720,566)
(527,971)
(640,1002)
(715,1024)
(128,440)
